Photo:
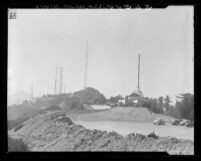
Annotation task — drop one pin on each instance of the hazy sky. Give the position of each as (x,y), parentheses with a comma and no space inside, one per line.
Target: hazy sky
(40,39)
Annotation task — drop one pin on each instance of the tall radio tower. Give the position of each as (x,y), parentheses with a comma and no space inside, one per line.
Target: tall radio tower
(138,90)
(55,83)
(31,94)
(86,68)
(61,81)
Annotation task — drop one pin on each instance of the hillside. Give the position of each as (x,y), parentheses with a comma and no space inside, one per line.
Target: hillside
(53,131)
(64,101)
(140,114)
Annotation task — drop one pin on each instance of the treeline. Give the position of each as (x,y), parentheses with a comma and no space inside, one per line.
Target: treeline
(184,107)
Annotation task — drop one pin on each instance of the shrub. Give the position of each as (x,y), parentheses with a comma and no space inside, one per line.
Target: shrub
(153,135)
(65,119)
(53,108)
(16,145)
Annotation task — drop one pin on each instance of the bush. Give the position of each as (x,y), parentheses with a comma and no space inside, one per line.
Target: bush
(153,135)
(65,119)
(16,145)
(74,103)
(53,108)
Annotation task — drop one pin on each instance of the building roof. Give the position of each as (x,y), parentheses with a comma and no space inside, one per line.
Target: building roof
(134,94)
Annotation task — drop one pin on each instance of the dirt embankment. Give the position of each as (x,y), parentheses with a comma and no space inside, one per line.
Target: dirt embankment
(139,114)
(53,131)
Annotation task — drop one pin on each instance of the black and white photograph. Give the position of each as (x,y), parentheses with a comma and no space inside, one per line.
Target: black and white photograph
(101,80)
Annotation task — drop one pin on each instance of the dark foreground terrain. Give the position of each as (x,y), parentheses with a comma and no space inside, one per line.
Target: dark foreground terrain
(54,131)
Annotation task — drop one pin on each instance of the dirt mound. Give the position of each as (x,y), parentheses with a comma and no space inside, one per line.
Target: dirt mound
(54,131)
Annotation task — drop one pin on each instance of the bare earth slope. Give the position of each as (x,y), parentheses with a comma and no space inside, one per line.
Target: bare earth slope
(53,131)
(139,114)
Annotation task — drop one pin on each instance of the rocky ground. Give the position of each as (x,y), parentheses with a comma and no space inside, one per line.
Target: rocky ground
(54,131)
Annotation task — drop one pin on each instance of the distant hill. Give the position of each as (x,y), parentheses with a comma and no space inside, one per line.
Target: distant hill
(57,102)
(17,98)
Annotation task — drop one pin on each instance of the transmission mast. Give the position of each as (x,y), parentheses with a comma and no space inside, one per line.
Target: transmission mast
(61,81)
(86,68)
(55,83)
(138,90)
(31,94)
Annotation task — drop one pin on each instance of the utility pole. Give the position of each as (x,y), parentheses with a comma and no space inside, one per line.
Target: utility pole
(86,68)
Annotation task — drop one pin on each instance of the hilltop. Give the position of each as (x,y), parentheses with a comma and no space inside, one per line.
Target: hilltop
(67,101)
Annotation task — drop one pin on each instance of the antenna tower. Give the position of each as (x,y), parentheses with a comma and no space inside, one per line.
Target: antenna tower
(138,90)
(61,81)
(55,83)
(86,68)
(31,94)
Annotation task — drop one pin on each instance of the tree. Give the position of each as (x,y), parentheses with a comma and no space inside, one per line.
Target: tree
(167,103)
(115,100)
(146,102)
(156,105)
(100,100)
(74,103)
(173,111)
(26,102)
(160,100)
(186,106)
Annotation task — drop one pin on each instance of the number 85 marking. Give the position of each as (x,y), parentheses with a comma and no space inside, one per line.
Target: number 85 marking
(12,15)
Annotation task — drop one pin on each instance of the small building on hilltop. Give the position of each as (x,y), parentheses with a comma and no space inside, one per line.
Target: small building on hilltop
(133,99)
